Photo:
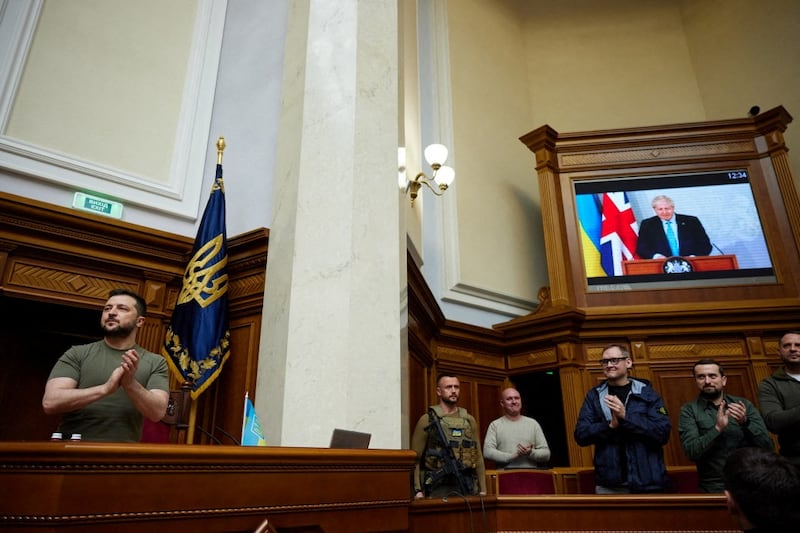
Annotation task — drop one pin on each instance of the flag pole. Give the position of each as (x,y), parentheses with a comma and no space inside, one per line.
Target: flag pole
(244,414)
(220,149)
(192,421)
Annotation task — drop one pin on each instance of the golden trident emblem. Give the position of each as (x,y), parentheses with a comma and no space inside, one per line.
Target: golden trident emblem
(199,283)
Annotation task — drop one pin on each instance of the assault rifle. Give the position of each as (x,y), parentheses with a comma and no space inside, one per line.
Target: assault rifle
(452,466)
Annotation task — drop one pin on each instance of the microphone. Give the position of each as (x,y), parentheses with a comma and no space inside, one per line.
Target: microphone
(717,247)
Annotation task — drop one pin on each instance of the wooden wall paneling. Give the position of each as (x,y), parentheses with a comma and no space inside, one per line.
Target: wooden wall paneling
(418,391)
(574,390)
(424,320)
(487,409)
(70,282)
(764,354)
(419,360)
(488,405)
(676,388)
(772,131)
(64,255)
(469,397)
(544,358)
(238,376)
(574,386)
(740,381)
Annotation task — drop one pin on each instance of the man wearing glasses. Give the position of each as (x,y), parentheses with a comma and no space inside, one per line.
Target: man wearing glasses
(625,419)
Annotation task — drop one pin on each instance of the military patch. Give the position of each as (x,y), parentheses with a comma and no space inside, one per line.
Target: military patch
(662,410)
(456,432)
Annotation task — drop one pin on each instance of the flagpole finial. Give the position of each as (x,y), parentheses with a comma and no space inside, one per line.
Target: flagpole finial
(220,149)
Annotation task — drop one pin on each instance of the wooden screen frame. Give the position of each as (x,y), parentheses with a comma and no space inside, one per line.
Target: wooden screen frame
(755,144)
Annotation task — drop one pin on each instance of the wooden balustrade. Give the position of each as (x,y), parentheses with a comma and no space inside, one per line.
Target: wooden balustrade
(135,487)
(144,487)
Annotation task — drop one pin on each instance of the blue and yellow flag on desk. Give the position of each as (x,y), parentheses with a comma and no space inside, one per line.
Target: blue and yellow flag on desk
(197,343)
(251,428)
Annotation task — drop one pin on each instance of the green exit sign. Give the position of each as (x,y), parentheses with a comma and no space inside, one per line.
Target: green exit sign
(95,204)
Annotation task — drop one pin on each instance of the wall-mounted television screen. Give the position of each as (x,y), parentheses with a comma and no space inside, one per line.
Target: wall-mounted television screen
(714,235)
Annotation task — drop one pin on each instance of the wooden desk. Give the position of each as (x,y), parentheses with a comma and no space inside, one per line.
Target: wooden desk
(177,488)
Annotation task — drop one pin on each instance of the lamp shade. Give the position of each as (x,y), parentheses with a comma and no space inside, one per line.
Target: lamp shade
(444,176)
(436,154)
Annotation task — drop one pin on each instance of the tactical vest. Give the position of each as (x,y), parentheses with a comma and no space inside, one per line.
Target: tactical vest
(459,434)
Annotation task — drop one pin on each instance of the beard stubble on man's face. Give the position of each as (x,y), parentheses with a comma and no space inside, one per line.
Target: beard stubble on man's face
(117,329)
(711,395)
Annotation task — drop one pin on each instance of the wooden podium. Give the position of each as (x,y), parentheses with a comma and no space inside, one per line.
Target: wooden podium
(700,263)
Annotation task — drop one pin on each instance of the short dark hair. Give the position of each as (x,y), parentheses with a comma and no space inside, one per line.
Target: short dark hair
(141,305)
(709,361)
(444,375)
(764,486)
(790,332)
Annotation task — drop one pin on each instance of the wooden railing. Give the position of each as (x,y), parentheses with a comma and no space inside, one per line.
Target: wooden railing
(574,513)
(178,488)
(578,480)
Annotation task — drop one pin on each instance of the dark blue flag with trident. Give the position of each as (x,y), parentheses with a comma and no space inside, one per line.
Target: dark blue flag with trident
(197,342)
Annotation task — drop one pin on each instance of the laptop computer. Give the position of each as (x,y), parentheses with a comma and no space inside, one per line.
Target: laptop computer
(345,438)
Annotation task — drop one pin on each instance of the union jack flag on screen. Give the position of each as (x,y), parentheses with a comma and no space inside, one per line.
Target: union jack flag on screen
(619,232)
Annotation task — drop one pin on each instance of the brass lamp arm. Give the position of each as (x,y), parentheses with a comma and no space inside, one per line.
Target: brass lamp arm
(420,180)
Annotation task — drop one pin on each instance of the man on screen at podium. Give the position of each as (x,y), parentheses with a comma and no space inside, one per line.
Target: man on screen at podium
(668,234)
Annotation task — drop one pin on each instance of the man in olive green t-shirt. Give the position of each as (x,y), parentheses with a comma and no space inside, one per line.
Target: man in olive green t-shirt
(104,389)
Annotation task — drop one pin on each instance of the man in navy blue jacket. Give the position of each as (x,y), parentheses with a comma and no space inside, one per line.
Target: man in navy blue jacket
(627,422)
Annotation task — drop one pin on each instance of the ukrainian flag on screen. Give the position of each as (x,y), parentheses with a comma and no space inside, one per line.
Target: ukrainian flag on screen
(590,219)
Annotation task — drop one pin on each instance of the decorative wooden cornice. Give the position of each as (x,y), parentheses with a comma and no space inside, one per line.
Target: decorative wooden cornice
(62,255)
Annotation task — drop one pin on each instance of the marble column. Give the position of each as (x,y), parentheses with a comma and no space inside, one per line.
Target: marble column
(331,332)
